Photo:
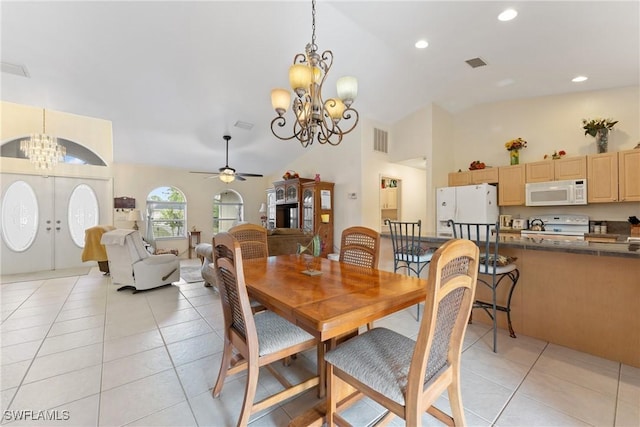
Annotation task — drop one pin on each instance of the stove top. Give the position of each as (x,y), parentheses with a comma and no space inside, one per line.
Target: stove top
(560,225)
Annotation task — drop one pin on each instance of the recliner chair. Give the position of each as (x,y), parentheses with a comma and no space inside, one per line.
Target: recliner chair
(132,266)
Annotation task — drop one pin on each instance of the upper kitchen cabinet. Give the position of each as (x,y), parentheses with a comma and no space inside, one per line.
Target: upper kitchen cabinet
(459,178)
(570,168)
(602,178)
(629,175)
(556,170)
(478,176)
(487,175)
(389,199)
(511,180)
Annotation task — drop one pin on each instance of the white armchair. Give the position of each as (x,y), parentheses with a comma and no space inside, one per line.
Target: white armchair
(132,266)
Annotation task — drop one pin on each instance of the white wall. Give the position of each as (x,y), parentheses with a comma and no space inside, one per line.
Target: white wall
(138,181)
(548,123)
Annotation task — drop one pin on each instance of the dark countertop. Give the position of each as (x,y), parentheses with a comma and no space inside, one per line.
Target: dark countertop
(620,248)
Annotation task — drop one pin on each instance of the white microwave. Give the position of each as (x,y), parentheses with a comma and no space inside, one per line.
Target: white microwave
(557,193)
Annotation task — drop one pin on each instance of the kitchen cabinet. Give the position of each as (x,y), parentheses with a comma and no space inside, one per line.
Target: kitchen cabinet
(539,171)
(459,178)
(478,176)
(570,168)
(629,175)
(511,180)
(556,170)
(487,175)
(602,178)
(389,198)
(317,212)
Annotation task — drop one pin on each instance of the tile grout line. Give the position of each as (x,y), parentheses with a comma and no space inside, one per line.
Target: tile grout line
(42,342)
(519,385)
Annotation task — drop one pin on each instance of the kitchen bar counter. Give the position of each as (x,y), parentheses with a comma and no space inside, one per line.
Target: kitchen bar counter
(581,295)
(620,248)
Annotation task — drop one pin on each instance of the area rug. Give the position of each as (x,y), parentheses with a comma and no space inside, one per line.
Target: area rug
(190,273)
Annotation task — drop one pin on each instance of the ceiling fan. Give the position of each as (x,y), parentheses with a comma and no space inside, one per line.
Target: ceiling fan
(228,174)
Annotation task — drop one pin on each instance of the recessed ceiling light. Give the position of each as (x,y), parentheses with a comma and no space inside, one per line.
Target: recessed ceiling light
(508,15)
(421,44)
(579,79)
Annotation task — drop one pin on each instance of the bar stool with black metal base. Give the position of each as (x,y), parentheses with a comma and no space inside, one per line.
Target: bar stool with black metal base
(499,267)
(408,252)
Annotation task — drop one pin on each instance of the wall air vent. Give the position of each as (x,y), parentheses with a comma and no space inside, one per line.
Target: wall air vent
(17,69)
(476,62)
(380,140)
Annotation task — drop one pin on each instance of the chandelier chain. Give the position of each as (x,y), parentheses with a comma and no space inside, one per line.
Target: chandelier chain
(313,24)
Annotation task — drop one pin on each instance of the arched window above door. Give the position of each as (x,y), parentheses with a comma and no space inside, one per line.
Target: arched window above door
(166,214)
(76,153)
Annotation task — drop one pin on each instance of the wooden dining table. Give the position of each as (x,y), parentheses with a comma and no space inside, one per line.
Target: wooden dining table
(328,305)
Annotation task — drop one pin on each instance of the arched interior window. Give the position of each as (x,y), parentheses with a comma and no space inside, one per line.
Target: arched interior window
(166,214)
(76,154)
(227,210)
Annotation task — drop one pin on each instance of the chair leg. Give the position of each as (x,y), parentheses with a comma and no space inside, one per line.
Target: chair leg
(249,393)
(225,363)
(331,398)
(495,321)
(455,400)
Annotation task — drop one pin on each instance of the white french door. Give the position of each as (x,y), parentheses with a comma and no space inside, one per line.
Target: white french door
(44,218)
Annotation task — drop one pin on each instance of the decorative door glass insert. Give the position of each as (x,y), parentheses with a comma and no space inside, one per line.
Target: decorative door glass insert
(19,216)
(83,212)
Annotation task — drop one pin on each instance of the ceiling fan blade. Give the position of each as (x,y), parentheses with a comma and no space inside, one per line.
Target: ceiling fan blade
(249,174)
(240,178)
(206,173)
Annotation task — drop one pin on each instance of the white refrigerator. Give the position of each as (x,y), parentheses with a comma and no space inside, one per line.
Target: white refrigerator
(467,203)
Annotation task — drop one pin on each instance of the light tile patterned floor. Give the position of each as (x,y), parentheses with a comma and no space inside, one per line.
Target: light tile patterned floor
(107,358)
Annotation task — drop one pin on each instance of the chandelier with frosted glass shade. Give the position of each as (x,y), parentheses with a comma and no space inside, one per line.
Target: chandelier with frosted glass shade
(314,118)
(43,150)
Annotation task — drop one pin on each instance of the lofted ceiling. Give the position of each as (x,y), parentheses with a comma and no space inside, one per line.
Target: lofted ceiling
(173,77)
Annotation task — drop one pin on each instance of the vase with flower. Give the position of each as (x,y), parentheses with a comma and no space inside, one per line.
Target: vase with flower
(514,146)
(599,129)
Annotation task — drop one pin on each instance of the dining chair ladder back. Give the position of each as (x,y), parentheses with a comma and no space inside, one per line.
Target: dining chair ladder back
(409,253)
(252,239)
(360,246)
(494,269)
(261,338)
(406,376)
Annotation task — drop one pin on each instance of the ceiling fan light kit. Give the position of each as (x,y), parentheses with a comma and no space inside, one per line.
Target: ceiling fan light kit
(228,174)
(315,119)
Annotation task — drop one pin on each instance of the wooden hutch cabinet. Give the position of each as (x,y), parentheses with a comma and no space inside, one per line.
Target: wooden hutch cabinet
(317,212)
(288,197)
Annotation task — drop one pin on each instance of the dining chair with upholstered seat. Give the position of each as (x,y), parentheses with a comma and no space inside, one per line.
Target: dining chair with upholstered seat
(494,269)
(252,239)
(253,244)
(407,376)
(409,253)
(360,246)
(260,338)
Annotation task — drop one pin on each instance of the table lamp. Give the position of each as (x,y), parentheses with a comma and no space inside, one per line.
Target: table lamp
(263,214)
(135,216)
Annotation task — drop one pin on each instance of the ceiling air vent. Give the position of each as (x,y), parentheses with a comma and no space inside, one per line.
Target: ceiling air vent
(380,140)
(17,69)
(476,62)
(243,125)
